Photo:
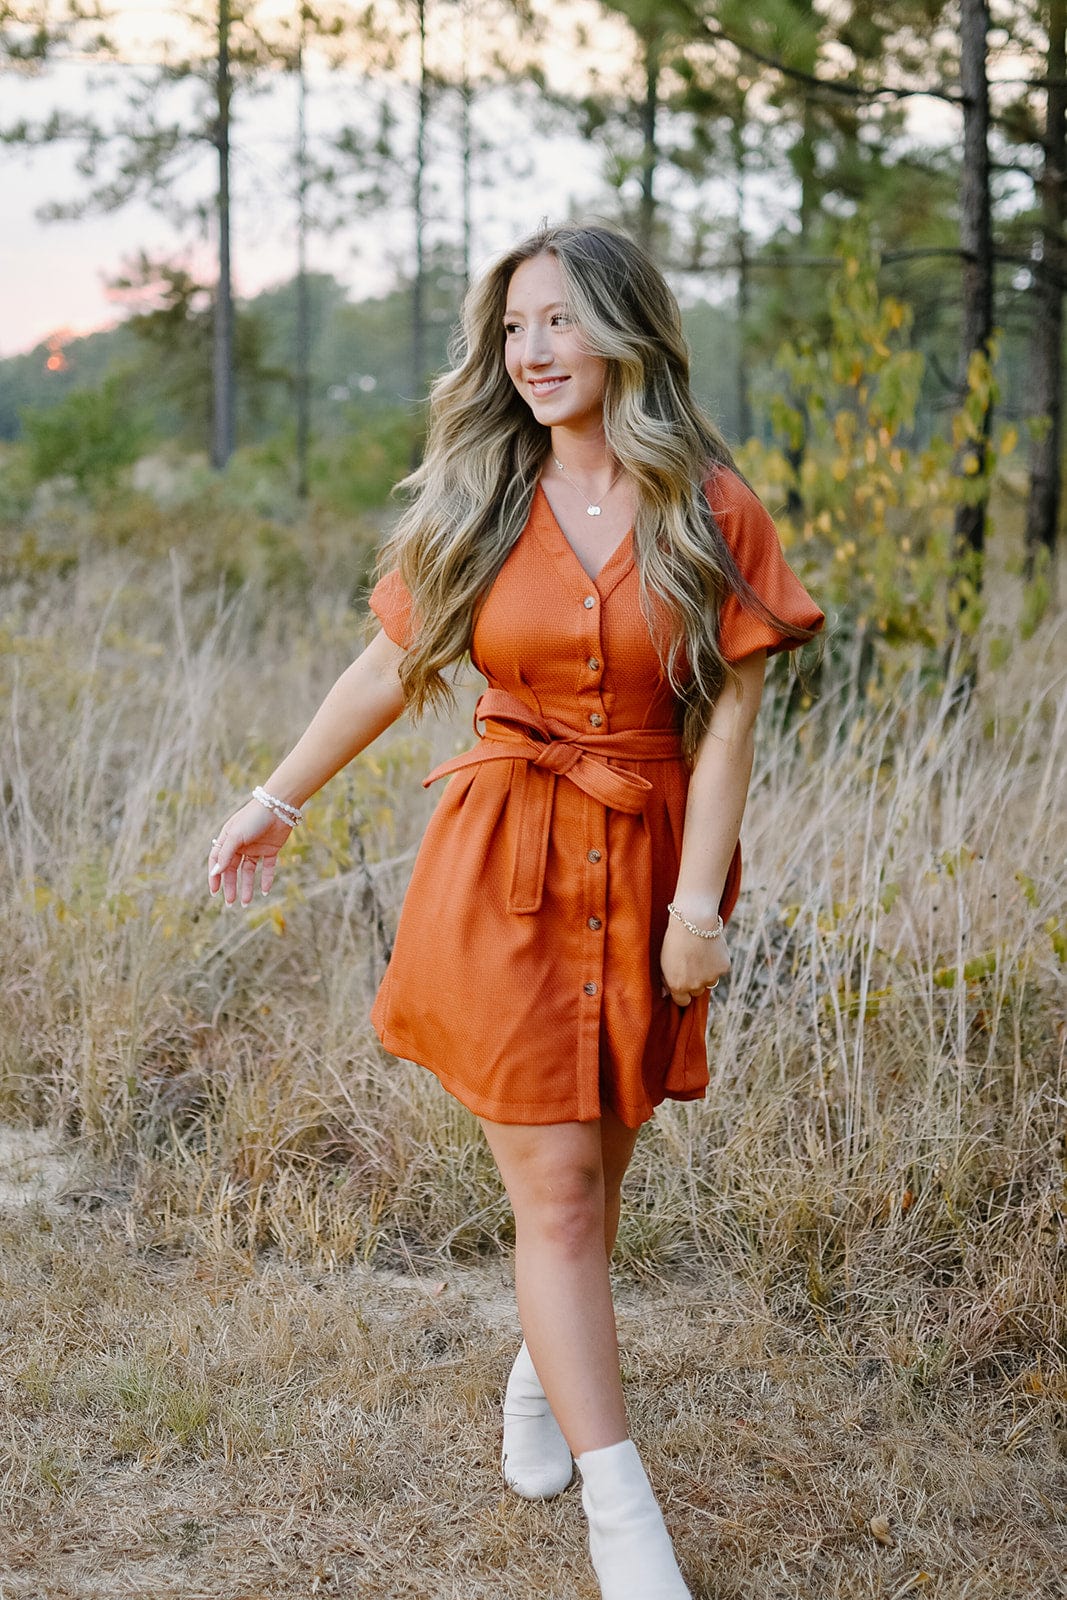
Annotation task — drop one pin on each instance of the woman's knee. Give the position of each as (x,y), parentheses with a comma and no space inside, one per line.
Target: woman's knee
(564,1208)
(555,1180)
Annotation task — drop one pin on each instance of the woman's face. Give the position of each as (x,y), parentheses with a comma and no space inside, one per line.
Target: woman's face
(546,357)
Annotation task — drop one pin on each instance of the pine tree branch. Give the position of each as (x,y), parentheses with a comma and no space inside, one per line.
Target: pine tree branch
(1014,258)
(841,87)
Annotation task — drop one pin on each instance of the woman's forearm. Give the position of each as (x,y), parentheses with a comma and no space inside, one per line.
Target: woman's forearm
(366,698)
(718,790)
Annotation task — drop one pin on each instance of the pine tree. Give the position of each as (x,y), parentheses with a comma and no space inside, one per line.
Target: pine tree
(234,51)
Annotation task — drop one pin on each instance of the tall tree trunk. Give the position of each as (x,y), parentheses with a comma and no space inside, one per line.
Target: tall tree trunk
(744,284)
(303,320)
(224,406)
(1046,352)
(976,240)
(804,159)
(646,216)
(466,141)
(418,287)
(466,92)
(804,154)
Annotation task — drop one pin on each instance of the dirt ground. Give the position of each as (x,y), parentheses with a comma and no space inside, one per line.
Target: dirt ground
(230,1429)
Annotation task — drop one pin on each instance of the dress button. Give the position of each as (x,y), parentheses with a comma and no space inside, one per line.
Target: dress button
(595,923)
(593,664)
(595,718)
(589,602)
(590,988)
(593,855)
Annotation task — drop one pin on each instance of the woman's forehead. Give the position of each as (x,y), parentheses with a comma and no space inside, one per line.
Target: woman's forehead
(536,284)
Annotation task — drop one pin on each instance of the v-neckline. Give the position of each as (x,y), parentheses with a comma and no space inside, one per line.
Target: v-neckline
(622,552)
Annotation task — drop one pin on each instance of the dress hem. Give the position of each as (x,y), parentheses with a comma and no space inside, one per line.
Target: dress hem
(523,1113)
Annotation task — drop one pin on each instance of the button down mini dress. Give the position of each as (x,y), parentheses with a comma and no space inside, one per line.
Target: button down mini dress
(525,971)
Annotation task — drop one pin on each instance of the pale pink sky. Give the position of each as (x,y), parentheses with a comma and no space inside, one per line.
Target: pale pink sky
(52,274)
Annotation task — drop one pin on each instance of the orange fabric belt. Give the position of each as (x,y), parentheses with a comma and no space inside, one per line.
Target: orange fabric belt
(551,750)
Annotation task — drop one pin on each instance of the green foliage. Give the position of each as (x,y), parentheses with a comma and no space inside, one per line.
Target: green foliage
(89,436)
(16,482)
(871,515)
(178,338)
(357,471)
(58,365)
(1037,593)
(360,360)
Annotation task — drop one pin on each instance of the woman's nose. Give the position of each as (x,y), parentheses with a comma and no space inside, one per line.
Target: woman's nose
(536,351)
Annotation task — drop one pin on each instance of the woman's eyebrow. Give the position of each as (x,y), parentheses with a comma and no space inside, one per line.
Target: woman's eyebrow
(556,305)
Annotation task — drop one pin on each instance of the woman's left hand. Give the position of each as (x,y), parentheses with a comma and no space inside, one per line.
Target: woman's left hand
(689,964)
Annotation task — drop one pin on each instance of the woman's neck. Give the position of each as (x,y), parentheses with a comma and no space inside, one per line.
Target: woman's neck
(583,452)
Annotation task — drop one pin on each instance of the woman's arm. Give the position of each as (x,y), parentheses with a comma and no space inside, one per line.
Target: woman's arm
(366,698)
(718,789)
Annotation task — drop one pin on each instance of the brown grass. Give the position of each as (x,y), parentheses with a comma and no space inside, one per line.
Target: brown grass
(229,1367)
(228,1427)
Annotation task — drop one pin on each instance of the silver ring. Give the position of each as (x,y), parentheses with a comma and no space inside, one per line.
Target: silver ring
(214,841)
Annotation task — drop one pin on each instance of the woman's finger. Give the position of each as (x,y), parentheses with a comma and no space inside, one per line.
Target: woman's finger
(230,864)
(248,879)
(227,866)
(685,997)
(266,875)
(214,870)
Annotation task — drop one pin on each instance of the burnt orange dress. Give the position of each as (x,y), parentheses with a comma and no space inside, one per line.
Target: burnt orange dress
(525,972)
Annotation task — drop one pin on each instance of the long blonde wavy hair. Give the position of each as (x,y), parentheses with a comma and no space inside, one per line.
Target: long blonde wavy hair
(471,495)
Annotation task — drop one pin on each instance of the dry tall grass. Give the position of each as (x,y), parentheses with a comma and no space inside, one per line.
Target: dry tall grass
(842,1275)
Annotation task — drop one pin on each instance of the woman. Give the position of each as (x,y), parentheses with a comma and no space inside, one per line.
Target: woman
(577,525)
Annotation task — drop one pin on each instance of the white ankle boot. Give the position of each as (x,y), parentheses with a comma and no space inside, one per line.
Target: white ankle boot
(536,1459)
(630,1547)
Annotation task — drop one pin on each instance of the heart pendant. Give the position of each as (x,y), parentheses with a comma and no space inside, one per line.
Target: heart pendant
(592,511)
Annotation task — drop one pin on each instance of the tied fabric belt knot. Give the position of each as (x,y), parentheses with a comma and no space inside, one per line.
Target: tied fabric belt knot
(551,750)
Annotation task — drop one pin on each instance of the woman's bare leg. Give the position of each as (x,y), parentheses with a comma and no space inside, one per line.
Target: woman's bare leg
(536,1459)
(555,1178)
(617,1143)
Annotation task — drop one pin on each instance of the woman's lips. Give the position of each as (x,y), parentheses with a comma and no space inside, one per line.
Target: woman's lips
(546,385)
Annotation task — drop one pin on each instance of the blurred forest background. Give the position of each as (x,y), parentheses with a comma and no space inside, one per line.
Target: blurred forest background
(859,1239)
(750,148)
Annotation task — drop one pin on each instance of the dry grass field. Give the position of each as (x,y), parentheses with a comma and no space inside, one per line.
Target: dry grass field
(255,1313)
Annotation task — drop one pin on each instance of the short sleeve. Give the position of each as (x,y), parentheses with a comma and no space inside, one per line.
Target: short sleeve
(390,600)
(753,539)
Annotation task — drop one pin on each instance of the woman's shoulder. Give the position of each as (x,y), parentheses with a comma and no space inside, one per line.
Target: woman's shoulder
(740,515)
(390,600)
(752,539)
(728,494)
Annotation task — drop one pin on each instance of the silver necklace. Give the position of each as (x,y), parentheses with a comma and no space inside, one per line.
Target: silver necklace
(590,510)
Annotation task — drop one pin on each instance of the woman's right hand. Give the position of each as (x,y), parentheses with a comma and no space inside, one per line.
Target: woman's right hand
(251,836)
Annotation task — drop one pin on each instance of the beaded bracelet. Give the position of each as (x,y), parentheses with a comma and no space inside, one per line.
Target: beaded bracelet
(701,933)
(286,813)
